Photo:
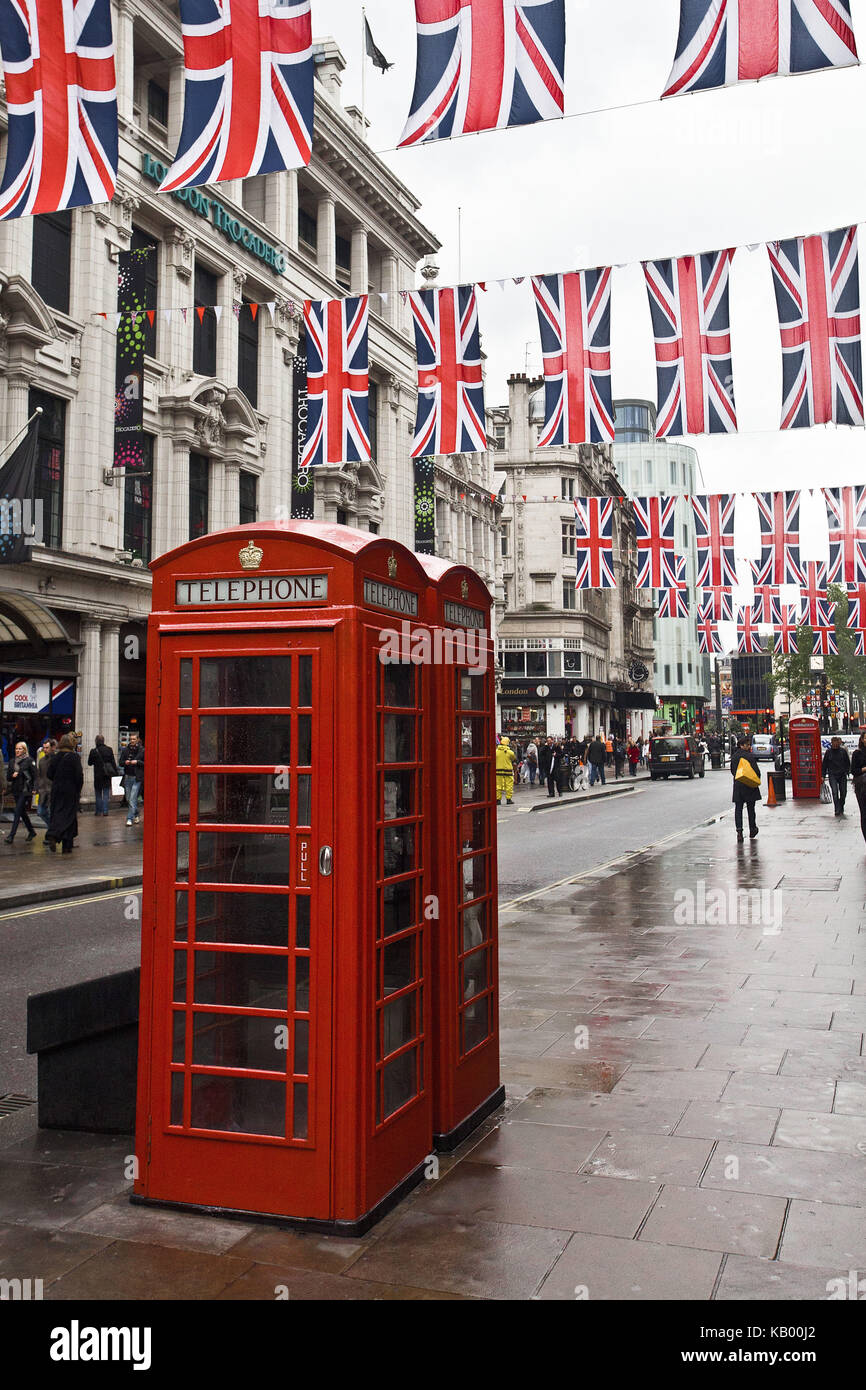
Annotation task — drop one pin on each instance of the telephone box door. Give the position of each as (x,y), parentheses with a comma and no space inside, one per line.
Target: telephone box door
(238,1098)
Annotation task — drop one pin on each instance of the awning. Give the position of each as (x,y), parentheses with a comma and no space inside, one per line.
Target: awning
(24,618)
(635,699)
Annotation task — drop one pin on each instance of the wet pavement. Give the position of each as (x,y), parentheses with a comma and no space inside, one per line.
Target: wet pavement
(107,854)
(686,1112)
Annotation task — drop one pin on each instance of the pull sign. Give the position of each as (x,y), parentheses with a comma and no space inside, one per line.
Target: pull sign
(326,859)
(303,863)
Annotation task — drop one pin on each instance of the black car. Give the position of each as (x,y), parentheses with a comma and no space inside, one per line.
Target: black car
(676,755)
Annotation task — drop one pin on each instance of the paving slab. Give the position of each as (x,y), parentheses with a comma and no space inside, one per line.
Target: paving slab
(780,1172)
(705,1220)
(607,1267)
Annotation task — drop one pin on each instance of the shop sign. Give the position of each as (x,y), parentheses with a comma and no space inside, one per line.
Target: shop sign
(206,206)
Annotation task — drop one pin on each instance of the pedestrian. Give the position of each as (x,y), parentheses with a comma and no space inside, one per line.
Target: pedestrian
(102,760)
(43,786)
(836,768)
(619,756)
(608,751)
(633,755)
(67,779)
(858,773)
(595,756)
(557,760)
(505,760)
(532,760)
(747,788)
(22,777)
(132,763)
(544,755)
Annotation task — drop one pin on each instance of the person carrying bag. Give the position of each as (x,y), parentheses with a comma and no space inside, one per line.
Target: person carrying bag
(747,788)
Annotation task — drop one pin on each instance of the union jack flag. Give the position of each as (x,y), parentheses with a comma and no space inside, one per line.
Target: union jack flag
(484,64)
(58,62)
(718,602)
(692,329)
(714,535)
(574,321)
(727,41)
(709,641)
(857,607)
(450,387)
(846,514)
(338,423)
(594,533)
(674,602)
(813,594)
(764,607)
(654,523)
(749,640)
(825,632)
(787,628)
(817,284)
(779,514)
(248,90)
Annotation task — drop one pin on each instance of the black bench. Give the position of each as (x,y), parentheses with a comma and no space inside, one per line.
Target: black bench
(86,1039)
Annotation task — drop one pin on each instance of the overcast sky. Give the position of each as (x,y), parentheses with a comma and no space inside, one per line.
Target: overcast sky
(734,167)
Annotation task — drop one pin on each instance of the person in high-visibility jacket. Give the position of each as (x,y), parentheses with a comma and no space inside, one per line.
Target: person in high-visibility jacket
(505,760)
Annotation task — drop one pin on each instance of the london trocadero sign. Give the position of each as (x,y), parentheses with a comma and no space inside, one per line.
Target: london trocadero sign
(205,205)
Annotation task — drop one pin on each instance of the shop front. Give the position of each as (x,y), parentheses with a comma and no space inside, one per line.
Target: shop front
(36,708)
(554,708)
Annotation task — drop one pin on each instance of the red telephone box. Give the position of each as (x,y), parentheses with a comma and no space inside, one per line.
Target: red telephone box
(287,1054)
(465,956)
(806,758)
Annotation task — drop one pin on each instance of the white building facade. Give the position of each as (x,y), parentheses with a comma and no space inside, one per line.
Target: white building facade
(223,389)
(571,663)
(660,467)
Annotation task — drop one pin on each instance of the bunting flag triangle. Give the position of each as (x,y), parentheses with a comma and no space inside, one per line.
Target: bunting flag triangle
(270,305)
(254,309)
(218,312)
(117,317)
(199,308)
(151,315)
(183,313)
(167,313)
(385,297)
(236,309)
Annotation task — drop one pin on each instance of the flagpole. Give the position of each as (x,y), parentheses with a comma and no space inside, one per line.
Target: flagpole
(23,430)
(364,71)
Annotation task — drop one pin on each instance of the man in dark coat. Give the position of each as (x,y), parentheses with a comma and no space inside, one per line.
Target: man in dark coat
(132,763)
(596,755)
(102,761)
(67,779)
(744,795)
(545,756)
(836,767)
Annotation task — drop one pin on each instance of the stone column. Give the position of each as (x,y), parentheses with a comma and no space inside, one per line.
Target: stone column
(327,236)
(17,391)
(390,286)
(231,498)
(360,281)
(110,683)
(88,702)
(171,495)
(125,60)
(175,104)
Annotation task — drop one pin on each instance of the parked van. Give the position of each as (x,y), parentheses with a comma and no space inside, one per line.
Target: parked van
(676,755)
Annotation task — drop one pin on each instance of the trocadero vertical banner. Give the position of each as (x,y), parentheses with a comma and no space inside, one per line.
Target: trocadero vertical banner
(129,358)
(302,477)
(425,505)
